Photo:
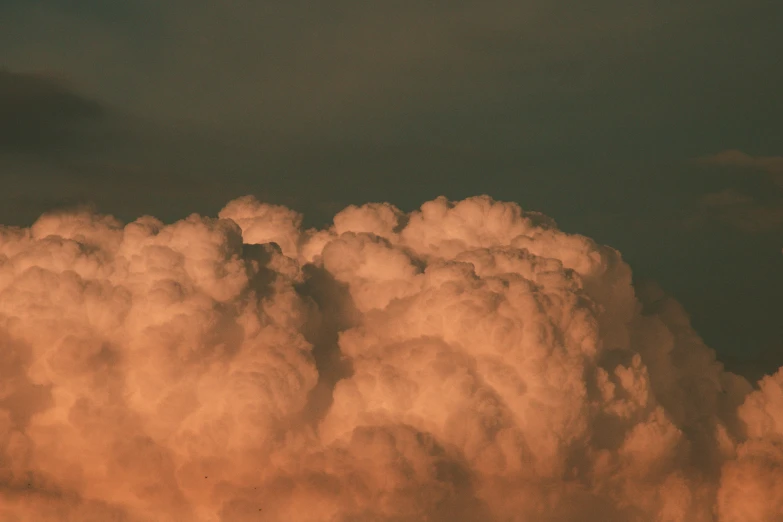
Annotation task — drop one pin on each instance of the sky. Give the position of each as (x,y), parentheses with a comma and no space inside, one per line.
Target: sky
(652,127)
(394,261)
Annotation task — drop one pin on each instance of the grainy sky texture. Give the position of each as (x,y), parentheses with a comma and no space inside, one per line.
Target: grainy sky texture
(653,127)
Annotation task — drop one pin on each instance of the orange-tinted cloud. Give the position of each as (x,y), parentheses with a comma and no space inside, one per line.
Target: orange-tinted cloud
(771,165)
(740,210)
(480,365)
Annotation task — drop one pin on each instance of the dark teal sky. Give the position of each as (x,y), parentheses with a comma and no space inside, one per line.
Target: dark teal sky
(595,114)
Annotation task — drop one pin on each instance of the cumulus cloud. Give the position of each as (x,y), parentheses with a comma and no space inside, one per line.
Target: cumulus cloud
(464,362)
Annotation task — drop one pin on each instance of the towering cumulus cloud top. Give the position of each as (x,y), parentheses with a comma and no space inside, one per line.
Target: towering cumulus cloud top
(466,362)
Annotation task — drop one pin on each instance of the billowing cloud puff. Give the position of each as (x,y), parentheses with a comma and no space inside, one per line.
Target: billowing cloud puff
(262,223)
(751,484)
(464,362)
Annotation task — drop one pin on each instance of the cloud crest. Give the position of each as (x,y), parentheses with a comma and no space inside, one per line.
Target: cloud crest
(467,361)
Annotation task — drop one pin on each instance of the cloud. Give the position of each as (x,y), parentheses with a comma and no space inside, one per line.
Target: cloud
(416,91)
(61,147)
(772,165)
(741,210)
(467,361)
(349,68)
(755,366)
(750,486)
(38,113)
